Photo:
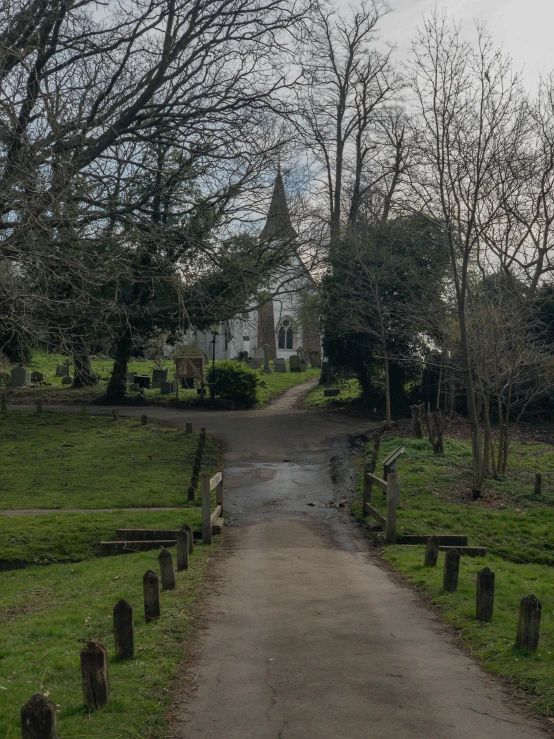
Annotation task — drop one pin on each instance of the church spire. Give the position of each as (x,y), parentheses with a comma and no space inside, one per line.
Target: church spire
(278,224)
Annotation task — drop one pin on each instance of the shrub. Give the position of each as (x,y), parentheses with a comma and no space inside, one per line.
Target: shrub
(235,381)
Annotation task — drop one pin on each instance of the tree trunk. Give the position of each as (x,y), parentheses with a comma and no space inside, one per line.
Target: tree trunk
(117,386)
(84,375)
(387,393)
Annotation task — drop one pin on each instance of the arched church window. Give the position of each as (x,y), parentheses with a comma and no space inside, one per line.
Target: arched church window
(285,335)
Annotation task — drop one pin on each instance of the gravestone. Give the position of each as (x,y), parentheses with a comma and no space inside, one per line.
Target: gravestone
(303,366)
(19,377)
(167,387)
(143,381)
(315,359)
(280,365)
(266,370)
(158,376)
(133,387)
(330,392)
(254,364)
(130,376)
(37,376)
(62,369)
(295,363)
(67,380)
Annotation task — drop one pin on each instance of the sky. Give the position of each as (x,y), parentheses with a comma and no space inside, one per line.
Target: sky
(524,28)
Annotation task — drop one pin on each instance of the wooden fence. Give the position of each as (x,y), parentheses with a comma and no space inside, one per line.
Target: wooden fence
(209,518)
(392,490)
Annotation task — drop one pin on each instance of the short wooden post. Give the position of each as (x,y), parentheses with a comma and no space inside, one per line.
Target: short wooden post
(190,492)
(124,630)
(196,470)
(367,489)
(206,520)
(166,569)
(144,419)
(182,550)
(528,625)
(219,491)
(538,483)
(115,414)
(202,432)
(38,719)
(4,404)
(39,406)
(176,387)
(390,533)
(188,428)
(186,527)
(451,570)
(151,588)
(83,410)
(485,594)
(431,551)
(94,673)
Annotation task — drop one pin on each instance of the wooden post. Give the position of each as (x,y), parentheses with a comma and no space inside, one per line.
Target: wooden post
(188,529)
(431,552)
(367,489)
(390,533)
(182,550)
(115,414)
(528,625)
(219,491)
(190,493)
(123,630)
(4,405)
(196,470)
(144,419)
(538,483)
(166,569)
(38,719)
(202,432)
(151,588)
(206,520)
(188,428)
(176,387)
(39,406)
(485,594)
(451,570)
(94,672)
(83,410)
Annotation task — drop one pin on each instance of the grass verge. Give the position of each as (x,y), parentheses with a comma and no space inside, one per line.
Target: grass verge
(350,393)
(277,382)
(516,528)
(47,615)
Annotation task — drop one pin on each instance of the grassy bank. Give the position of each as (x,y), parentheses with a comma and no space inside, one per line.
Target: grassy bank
(350,392)
(47,615)
(271,385)
(516,527)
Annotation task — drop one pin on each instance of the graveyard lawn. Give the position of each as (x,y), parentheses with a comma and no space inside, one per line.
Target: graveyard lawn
(49,613)
(56,461)
(350,394)
(271,385)
(515,526)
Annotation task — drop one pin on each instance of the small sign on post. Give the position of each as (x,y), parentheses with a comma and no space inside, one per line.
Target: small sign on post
(94,673)
(38,719)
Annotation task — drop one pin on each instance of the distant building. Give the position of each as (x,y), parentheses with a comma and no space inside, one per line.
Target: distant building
(282,322)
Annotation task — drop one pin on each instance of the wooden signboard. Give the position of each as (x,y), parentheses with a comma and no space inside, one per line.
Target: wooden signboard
(189,362)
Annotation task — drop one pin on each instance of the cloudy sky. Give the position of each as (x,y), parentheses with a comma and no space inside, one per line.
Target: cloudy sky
(525,28)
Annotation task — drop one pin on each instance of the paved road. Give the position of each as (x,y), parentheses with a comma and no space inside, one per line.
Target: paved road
(307,637)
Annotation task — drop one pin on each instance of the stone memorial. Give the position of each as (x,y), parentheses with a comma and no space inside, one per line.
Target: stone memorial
(67,380)
(62,369)
(143,381)
(130,376)
(167,387)
(280,365)
(266,370)
(19,377)
(295,363)
(315,359)
(158,376)
(303,366)
(254,364)
(37,376)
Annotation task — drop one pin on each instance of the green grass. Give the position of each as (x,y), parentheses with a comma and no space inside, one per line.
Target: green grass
(350,392)
(277,382)
(516,528)
(47,615)
(272,385)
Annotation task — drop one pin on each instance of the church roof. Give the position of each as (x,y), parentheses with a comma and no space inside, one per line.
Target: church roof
(278,224)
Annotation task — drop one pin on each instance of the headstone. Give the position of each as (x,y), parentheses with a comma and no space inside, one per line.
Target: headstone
(37,376)
(166,569)
(133,387)
(485,594)
(254,364)
(280,365)
(167,387)
(143,381)
(330,392)
(38,719)
(62,369)
(67,380)
(182,550)
(432,551)
(315,359)
(123,630)
(529,622)
(303,366)
(295,363)
(151,589)
(451,570)
(130,376)
(19,377)
(94,674)
(158,376)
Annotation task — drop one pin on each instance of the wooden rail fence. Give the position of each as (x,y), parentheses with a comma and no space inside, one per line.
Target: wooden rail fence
(392,490)
(210,518)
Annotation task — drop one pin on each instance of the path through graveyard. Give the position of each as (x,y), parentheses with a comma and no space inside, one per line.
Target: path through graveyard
(304,634)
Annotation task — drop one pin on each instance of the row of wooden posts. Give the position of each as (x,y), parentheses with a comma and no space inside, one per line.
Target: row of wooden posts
(38,715)
(528,627)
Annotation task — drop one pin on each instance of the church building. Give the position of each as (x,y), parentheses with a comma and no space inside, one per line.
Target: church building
(283,322)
